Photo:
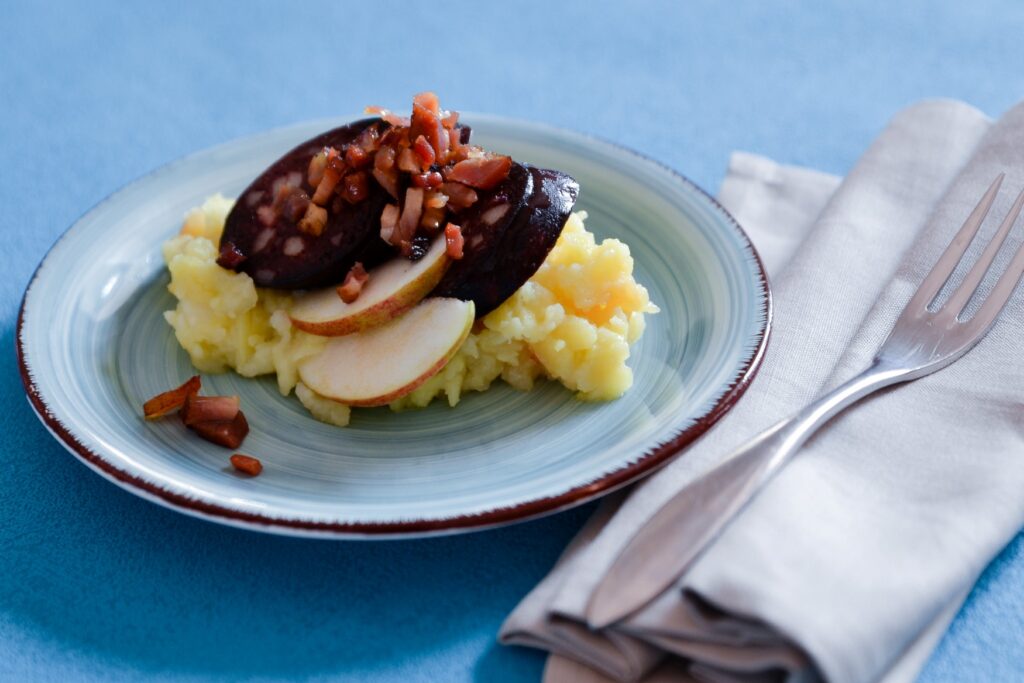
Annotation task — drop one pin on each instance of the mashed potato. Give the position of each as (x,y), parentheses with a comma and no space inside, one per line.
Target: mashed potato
(573,321)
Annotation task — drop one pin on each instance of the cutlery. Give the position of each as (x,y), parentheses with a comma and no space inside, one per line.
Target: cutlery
(925,338)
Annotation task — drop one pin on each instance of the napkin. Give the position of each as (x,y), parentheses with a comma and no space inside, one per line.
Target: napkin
(851,563)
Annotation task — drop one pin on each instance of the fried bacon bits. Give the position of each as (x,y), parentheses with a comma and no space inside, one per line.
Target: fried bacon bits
(226,433)
(247,464)
(453,241)
(172,400)
(209,409)
(353,285)
(482,173)
(425,155)
(218,419)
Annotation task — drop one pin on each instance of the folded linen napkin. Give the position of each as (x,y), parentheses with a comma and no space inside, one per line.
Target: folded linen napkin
(850,564)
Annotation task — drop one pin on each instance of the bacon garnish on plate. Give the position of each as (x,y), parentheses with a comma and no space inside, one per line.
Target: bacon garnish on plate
(172,400)
(247,464)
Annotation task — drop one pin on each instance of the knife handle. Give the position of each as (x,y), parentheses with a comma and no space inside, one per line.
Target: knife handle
(696,515)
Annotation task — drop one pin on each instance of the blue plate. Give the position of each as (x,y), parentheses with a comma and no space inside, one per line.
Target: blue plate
(93,346)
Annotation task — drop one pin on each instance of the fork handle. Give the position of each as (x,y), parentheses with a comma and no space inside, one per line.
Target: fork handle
(725,491)
(720,495)
(790,434)
(695,516)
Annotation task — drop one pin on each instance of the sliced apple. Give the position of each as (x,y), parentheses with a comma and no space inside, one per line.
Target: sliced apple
(384,363)
(392,289)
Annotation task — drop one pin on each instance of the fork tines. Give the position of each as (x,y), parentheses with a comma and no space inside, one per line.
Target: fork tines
(933,284)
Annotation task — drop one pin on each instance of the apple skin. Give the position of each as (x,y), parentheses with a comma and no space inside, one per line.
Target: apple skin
(323,313)
(326,373)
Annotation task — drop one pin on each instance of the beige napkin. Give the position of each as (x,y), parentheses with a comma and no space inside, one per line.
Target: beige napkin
(851,563)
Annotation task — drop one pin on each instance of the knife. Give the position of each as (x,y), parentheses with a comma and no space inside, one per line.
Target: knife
(681,529)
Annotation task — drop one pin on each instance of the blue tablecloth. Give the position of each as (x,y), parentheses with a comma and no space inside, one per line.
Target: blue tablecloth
(97,584)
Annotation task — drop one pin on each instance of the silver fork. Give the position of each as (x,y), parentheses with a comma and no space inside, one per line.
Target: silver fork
(924,339)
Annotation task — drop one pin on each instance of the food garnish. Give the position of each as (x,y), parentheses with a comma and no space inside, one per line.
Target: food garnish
(454,241)
(209,409)
(247,464)
(218,419)
(172,400)
(353,285)
(226,433)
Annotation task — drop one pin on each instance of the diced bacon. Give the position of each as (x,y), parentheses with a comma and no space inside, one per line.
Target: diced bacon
(327,184)
(388,180)
(457,150)
(209,409)
(384,159)
(442,143)
(247,464)
(389,222)
(172,400)
(355,187)
(424,152)
(432,219)
(435,200)
(449,119)
(226,433)
(368,140)
(408,162)
(482,173)
(336,160)
(353,284)
(356,157)
(411,212)
(459,195)
(388,116)
(314,221)
(426,121)
(428,101)
(453,241)
(316,168)
(430,180)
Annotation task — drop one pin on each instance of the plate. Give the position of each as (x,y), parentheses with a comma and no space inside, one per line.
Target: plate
(93,346)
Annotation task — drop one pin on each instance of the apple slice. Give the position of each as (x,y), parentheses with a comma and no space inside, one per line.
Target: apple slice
(393,288)
(384,363)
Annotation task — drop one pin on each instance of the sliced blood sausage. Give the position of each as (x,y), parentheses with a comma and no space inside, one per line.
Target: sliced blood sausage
(501,264)
(282,256)
(483,227)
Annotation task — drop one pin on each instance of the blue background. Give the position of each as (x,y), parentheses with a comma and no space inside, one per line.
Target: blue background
(97,584)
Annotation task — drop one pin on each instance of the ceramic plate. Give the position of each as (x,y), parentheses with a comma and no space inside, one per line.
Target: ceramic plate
(93,346)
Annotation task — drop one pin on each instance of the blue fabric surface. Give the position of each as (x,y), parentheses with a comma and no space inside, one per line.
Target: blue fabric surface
(96,584)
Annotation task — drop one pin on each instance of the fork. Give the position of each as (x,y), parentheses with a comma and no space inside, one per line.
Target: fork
(925,338)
